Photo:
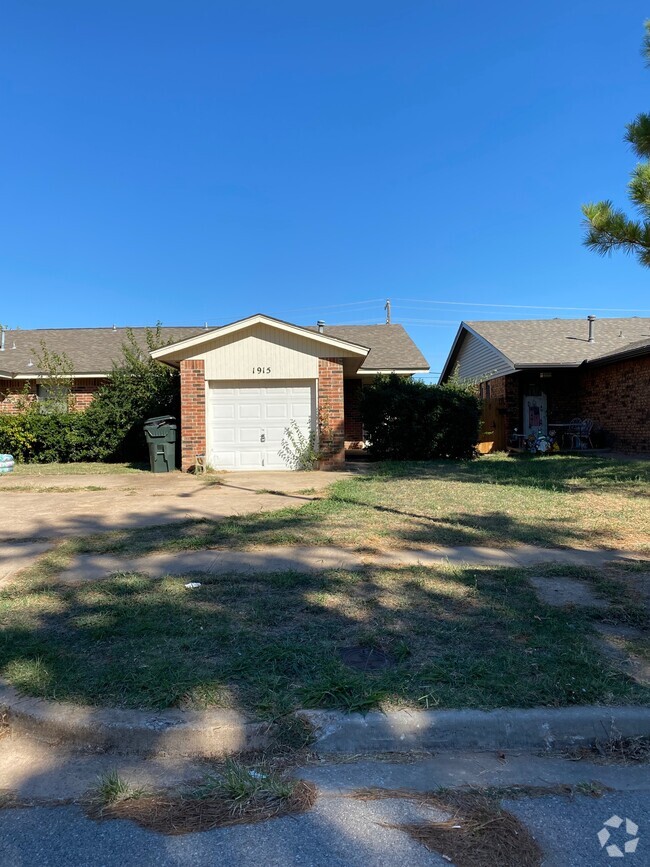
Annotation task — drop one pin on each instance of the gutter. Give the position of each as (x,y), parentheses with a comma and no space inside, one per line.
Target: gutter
(621,356)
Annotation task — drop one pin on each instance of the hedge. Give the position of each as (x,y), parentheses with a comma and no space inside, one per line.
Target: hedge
(44,437)
(112,426)
(406,419)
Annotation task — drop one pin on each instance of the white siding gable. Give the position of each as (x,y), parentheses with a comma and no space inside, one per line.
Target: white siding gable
(263,352)
(477,360)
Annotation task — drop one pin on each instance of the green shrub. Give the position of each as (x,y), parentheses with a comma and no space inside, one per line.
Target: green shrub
(33,436)
(406,419)
(112,426)
(138,388)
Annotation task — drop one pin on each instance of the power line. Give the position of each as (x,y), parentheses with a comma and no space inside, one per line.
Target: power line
(333,306)
(431,323)
(524,306)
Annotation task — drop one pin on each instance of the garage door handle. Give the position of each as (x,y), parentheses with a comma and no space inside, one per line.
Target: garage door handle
(263,438)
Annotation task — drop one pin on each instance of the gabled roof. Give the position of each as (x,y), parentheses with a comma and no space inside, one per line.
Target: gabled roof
(385,347)
(93,351)
(525,343)
(198,340)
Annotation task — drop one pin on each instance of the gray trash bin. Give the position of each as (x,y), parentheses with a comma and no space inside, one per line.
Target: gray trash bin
(160,433)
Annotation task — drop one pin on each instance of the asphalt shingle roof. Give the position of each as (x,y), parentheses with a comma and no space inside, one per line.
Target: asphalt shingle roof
(390,346)
(561,341)
(95,350)
(91,350)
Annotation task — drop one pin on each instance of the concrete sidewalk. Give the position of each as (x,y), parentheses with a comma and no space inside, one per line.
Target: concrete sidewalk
(300,558)
(16,556)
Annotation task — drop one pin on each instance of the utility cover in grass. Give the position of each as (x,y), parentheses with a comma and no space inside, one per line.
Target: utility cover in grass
(562,590)
(365,658)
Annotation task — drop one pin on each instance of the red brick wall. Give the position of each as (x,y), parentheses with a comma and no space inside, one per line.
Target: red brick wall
(83,391)
(192,412)
(12,393)
(351,401)
(617,398)
(331,413)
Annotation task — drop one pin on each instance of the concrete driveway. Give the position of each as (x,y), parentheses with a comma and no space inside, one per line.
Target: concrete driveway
(37,507)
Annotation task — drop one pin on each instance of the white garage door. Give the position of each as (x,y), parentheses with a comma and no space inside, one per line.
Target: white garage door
(247,423)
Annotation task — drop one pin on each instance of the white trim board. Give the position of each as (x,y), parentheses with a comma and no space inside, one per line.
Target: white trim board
(191,342)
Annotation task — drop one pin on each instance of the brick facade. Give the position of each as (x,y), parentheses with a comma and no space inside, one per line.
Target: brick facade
(331,410)
(14,393)
(615,396)
(352,409)
(193,423)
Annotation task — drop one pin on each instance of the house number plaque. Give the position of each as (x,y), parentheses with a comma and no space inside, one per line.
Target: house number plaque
(261,370)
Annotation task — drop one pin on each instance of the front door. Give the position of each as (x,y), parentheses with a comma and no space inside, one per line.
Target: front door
(535,417)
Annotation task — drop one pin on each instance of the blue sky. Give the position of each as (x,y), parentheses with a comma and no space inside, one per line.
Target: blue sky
(208,160)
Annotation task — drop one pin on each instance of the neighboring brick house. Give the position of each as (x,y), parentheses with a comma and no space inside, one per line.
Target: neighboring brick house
(92,352)
(539,373)
(242,384)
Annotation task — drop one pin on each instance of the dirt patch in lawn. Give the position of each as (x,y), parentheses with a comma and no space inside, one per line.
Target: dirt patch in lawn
(562,590)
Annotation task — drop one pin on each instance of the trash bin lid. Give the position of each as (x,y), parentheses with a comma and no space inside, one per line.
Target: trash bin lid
(159,420)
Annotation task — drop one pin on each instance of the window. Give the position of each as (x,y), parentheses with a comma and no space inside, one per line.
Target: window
(53,397)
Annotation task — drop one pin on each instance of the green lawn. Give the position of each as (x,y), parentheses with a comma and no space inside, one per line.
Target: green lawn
(270,643)
(499,501)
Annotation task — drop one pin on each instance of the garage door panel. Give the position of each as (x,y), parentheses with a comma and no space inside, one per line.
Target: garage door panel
(275,411)
(226,436)
(224,460)
(249,436)
(223,411)
(251,460)
(247,423)
(250,410)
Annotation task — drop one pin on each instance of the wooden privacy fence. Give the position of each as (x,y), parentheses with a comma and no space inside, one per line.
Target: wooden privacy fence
(493,426)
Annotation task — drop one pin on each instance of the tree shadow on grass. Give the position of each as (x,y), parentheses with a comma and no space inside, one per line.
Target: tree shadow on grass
(563,473)
(265,645)
(269,644)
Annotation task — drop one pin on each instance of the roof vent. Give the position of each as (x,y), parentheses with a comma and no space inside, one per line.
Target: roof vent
(320,324)
(591,320)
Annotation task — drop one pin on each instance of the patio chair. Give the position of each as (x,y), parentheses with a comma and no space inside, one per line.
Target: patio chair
(572,432)
(582,437)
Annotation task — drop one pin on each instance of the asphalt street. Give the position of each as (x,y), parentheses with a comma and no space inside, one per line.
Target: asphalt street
(343,832)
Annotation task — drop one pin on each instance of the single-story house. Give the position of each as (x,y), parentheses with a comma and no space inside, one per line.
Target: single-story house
(537,374)
(242,384)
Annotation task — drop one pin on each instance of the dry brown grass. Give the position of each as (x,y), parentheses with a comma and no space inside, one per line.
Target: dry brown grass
(614,751)
(479,833)
(174,814)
